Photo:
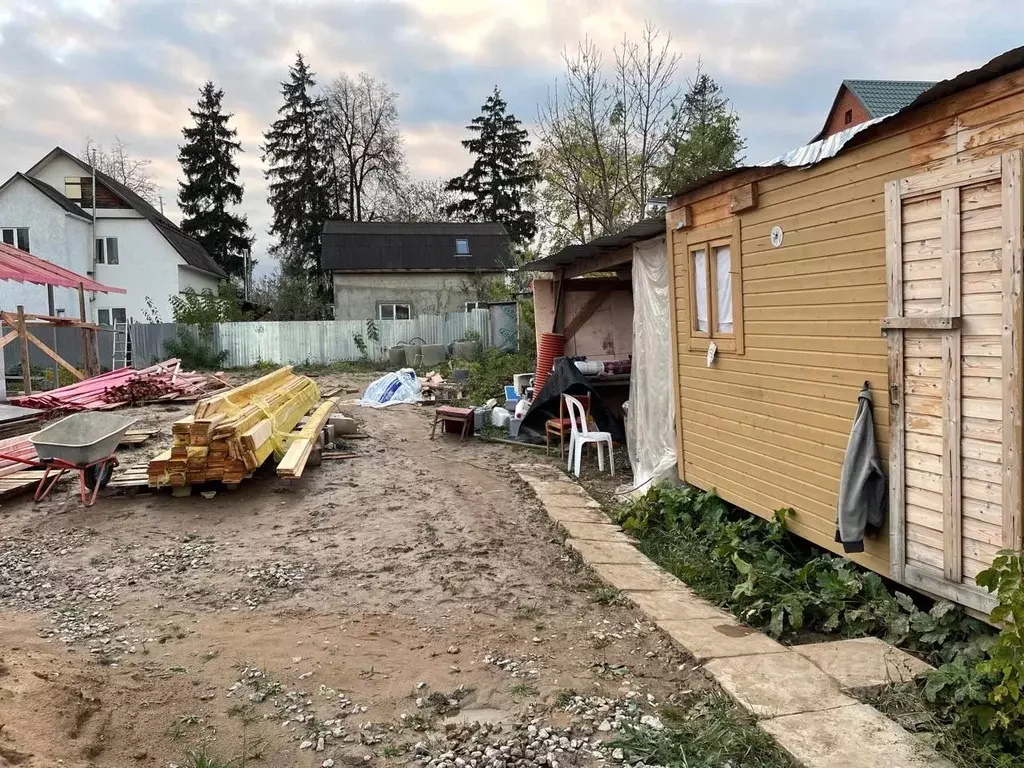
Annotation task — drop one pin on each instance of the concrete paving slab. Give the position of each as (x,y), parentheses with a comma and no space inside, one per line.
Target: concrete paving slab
(774,684)
(857,736)
(536,469)
(863,663)
(719,638)
(638,577)
(552,500)
(576,514)
(676,604)
(598,552)
(587,531)
(559,488)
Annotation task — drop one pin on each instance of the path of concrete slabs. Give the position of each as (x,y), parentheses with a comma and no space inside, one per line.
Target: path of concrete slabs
(801,695)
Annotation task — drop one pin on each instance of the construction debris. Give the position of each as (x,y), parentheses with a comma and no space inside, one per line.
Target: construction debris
(233,432)
(124,386)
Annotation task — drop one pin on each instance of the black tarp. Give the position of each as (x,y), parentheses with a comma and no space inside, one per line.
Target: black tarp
(567,379)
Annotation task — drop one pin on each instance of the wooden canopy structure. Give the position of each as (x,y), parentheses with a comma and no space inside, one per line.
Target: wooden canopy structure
(18,266)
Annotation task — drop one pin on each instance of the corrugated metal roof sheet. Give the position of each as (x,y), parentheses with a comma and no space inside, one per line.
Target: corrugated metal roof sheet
(348,246)
(22,267)
(883,97)
(817,151)
(572,254)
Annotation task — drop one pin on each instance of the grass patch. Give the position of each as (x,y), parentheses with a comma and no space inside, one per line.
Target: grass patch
(605,595)
(523,690)
(711,734)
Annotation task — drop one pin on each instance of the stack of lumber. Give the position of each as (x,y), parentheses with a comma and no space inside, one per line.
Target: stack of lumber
(233,432)
(17,421)
(305,440)
(16,447)
(123,386)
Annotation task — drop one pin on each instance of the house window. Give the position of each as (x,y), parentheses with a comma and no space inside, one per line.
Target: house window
(73,188)
(471,305)
(848,117)
(106,250)
(394,311)
(112,316)
(716,290)
(61,312)
(16,236)
(462,247)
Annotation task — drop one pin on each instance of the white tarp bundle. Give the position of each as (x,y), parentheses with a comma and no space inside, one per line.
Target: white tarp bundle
(392,389)
(650,426)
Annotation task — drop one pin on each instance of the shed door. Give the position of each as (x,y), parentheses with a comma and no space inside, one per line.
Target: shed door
(953,254)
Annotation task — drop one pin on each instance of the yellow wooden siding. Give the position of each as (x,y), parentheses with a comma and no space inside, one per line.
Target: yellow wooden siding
(768,429)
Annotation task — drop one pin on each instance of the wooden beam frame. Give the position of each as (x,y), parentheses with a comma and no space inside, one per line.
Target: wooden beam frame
(600,263)
(1013,332)
(952,470)
(586,312)
(17,321)
(897,457)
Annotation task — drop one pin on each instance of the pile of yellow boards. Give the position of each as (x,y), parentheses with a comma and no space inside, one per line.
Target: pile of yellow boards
(233,432)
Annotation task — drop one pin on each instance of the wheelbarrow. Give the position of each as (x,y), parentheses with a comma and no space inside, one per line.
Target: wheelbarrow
(84,442)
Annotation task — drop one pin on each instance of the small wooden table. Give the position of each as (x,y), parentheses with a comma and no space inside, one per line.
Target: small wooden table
(456,421)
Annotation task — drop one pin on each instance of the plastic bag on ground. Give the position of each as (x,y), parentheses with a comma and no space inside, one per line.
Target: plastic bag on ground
(392,389)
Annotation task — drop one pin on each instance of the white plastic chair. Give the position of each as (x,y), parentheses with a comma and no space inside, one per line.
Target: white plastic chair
(581,436)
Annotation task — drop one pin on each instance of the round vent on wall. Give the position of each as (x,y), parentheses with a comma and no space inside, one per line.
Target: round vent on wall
(776,236)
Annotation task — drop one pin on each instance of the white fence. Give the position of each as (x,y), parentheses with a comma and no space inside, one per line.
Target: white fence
(313,342)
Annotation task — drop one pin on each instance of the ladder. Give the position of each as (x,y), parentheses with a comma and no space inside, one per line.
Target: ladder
(122,353)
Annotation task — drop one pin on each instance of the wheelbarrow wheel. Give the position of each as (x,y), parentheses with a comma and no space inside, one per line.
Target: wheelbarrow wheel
(99,474)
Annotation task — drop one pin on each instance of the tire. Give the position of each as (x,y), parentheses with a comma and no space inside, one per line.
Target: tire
(100,473)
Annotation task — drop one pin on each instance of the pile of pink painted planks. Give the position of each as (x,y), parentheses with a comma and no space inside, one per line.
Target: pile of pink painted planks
(124,386)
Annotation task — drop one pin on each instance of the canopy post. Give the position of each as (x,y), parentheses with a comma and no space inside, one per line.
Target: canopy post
(26,366)
(87,364)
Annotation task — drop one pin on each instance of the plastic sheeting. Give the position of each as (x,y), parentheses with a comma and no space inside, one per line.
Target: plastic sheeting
(650,428)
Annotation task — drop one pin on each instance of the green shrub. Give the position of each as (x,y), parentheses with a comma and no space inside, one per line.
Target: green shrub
(194,353)
(489,375)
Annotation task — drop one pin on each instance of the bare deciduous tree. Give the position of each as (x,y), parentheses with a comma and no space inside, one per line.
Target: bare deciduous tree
(364,137)
(427,200)
(603,136)
(118,163)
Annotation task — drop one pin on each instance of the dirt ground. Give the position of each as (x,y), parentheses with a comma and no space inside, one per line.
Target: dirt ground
(359,602)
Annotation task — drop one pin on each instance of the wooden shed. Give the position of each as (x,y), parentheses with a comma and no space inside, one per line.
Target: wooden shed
(891,255)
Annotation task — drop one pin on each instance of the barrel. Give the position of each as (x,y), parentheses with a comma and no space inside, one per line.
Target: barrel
(552,345)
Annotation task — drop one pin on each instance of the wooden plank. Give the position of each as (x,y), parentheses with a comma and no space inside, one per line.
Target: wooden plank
(743,198)
(736,270)
(26,364)
(951,175)
(932,582)
(894,306)
(1013,268)
(920,323)
(586,312)
(951,466)
(951,253)
(674,300)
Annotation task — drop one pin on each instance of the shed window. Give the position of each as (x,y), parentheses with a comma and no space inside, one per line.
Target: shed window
(391,311)
(716,290)
(16,236)
(462,247)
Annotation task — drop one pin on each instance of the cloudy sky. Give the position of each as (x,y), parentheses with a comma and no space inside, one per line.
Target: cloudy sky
(131,68)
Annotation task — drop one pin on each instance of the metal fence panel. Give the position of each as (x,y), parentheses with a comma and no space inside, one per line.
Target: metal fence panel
(311,342)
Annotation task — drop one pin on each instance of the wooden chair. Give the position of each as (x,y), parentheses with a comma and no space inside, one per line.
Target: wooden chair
(562,426)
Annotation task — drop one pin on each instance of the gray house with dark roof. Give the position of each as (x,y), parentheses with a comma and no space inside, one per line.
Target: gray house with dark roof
(388,270)
(49,212)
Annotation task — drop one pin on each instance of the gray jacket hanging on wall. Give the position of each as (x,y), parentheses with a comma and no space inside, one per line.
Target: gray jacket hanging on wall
(863,489)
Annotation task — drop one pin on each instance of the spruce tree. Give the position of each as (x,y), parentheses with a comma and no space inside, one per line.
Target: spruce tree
(704,138)
(299,173)
(211,183)
(502,176)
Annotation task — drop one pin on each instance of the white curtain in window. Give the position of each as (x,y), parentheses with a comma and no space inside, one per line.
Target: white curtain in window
(723,283)
(700,286)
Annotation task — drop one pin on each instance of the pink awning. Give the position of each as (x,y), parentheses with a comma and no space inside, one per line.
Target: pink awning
(23,267)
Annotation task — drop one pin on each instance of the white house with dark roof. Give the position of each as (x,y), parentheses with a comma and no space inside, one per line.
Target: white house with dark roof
(48,211)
